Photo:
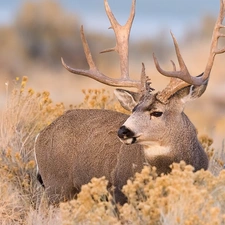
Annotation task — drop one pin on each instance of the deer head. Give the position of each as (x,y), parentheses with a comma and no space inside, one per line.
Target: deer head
(162,112)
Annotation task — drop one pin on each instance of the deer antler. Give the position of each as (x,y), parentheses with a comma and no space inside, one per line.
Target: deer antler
(145,82)
(184,77)
(122,34)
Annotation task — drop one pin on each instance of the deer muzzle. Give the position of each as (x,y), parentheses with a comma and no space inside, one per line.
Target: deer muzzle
(126,135)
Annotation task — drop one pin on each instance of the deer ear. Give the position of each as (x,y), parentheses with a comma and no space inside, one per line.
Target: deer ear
(127,99)
(191,92)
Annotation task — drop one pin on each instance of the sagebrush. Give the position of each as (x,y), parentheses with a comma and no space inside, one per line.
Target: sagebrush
(182,197)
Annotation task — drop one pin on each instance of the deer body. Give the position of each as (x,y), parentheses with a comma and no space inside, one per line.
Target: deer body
(82,144)
(76,147)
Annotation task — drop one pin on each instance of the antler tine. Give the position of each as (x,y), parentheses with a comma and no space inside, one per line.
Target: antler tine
(122,34)
(174,85)
(183,74)
(182,78)
(214,50)
(145,82)
(122,40)
(87,53)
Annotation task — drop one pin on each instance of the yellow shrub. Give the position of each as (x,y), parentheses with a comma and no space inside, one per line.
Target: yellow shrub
(181,197)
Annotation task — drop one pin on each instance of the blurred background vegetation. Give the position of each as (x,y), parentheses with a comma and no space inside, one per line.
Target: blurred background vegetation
(43,31)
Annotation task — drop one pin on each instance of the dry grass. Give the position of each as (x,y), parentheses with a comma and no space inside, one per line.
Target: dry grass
(24,114)
(182,197)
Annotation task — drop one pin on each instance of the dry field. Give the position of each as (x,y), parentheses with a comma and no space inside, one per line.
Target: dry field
(33,94)
(182,197)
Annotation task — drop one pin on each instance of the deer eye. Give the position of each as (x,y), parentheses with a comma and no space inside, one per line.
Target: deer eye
(156,114)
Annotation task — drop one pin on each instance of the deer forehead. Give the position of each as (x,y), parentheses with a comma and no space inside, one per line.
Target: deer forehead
(147,103)
(151,104)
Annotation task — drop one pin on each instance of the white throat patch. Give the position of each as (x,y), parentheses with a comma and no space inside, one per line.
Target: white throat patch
(155,150)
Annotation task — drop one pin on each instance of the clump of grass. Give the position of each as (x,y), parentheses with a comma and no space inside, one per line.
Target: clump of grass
(92,206)
(96,98)
(13,206)
(99,99)
(167,199)
(24,115)
(181,197)
(216,158)
(207,142)
(26,112)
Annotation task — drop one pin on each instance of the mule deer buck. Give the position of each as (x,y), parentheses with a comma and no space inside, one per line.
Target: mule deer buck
(83,143)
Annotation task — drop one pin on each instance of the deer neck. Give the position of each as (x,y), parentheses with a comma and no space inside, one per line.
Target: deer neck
(159,156)
(183,136)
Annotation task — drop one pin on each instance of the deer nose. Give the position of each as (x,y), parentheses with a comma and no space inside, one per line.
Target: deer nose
(125,133)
